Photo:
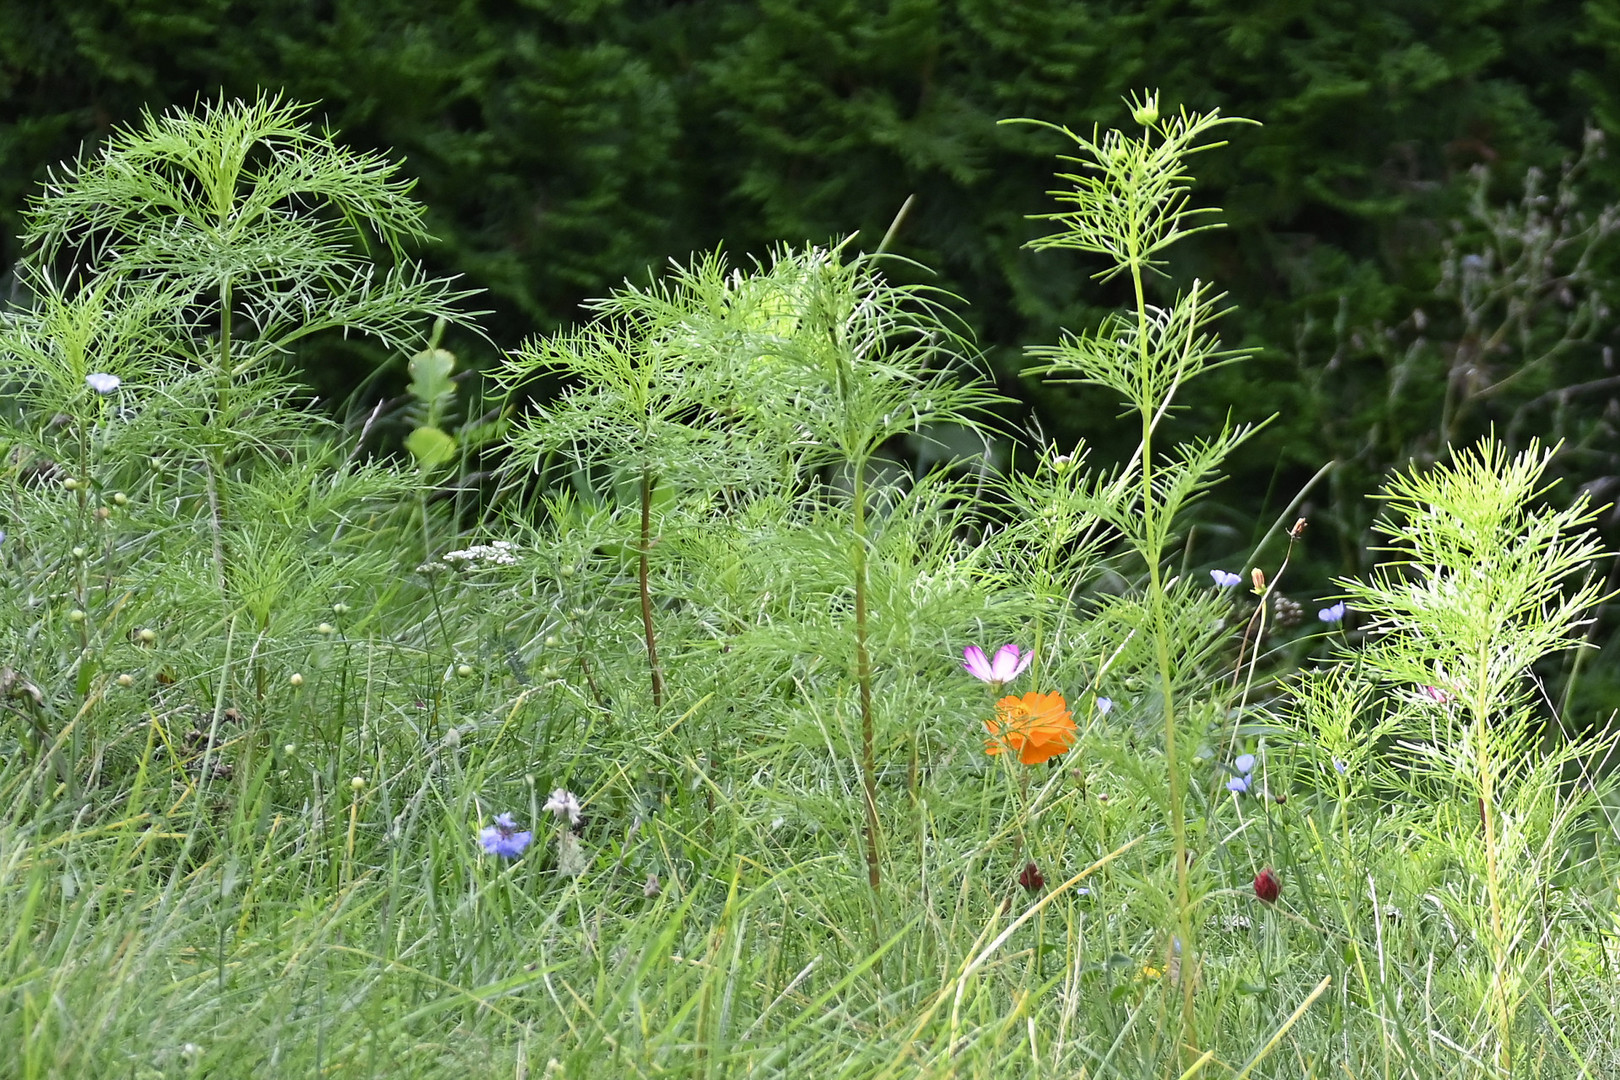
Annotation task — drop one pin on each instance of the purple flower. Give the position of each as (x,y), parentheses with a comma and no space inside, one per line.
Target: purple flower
(998,672)
(1332,614)
(504,839)
(103,383)
(1244,767)
(1104,705)
(1225,580)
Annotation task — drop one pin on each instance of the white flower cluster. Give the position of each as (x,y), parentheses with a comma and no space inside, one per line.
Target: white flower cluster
(497,553)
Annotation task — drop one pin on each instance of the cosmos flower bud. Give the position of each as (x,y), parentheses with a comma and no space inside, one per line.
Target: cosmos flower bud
(1266,886)
(1031,879)
(1147,113)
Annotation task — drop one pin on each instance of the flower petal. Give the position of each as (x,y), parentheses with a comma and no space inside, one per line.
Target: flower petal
(976,665)
(1008,664)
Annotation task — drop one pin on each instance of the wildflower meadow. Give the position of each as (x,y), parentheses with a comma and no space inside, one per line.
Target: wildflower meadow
(725,687)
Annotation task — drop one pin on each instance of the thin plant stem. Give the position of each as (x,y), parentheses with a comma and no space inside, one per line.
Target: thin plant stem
(646,590)
(863,678)
(1152,532)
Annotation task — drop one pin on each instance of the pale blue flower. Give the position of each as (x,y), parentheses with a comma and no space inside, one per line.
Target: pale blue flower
(504,839)
(1226,580)
(1105,705)
(1332,614)
(1244,767)
(103,383)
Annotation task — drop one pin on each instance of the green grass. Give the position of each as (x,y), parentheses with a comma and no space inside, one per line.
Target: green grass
(254,717)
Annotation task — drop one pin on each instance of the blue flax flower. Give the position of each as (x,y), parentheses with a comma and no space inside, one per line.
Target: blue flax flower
(504,839)
(1332,614)
(1225,579)
(1244,767)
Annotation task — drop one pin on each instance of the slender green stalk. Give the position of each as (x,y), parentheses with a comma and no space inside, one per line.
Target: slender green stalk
(646,590)
(1501,1003)
(863,679)
(1153,529)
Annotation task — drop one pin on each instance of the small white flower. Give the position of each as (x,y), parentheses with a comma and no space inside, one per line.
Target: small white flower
(103,383)
(564,805)
(496,553)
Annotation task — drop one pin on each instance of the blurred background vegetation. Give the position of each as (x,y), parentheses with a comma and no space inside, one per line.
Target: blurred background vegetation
(1419,247)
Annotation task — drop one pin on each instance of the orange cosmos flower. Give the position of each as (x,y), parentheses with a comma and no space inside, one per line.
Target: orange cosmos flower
(1038,726)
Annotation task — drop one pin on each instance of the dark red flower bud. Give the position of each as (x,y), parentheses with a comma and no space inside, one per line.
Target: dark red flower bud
(1266,886)
(1031,879)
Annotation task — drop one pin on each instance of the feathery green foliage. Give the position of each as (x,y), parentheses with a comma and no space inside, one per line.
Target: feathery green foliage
(710,664)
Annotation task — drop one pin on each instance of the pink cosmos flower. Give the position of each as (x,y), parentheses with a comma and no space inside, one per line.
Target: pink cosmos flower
(998,672)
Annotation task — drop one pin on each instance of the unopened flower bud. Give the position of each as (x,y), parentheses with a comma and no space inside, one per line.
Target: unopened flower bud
(1258,576)
(464,670)
(296,679)
(551,641)
(1266,886)
(357,784)
(78,553)
(76,616)
(102,513)
(126,679)
(324,628)
(71,484)
(340,608)
(147,635)
(1147,113)
(120,499)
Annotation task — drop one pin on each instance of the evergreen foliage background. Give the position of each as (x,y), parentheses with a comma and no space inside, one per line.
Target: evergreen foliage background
(565,145)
